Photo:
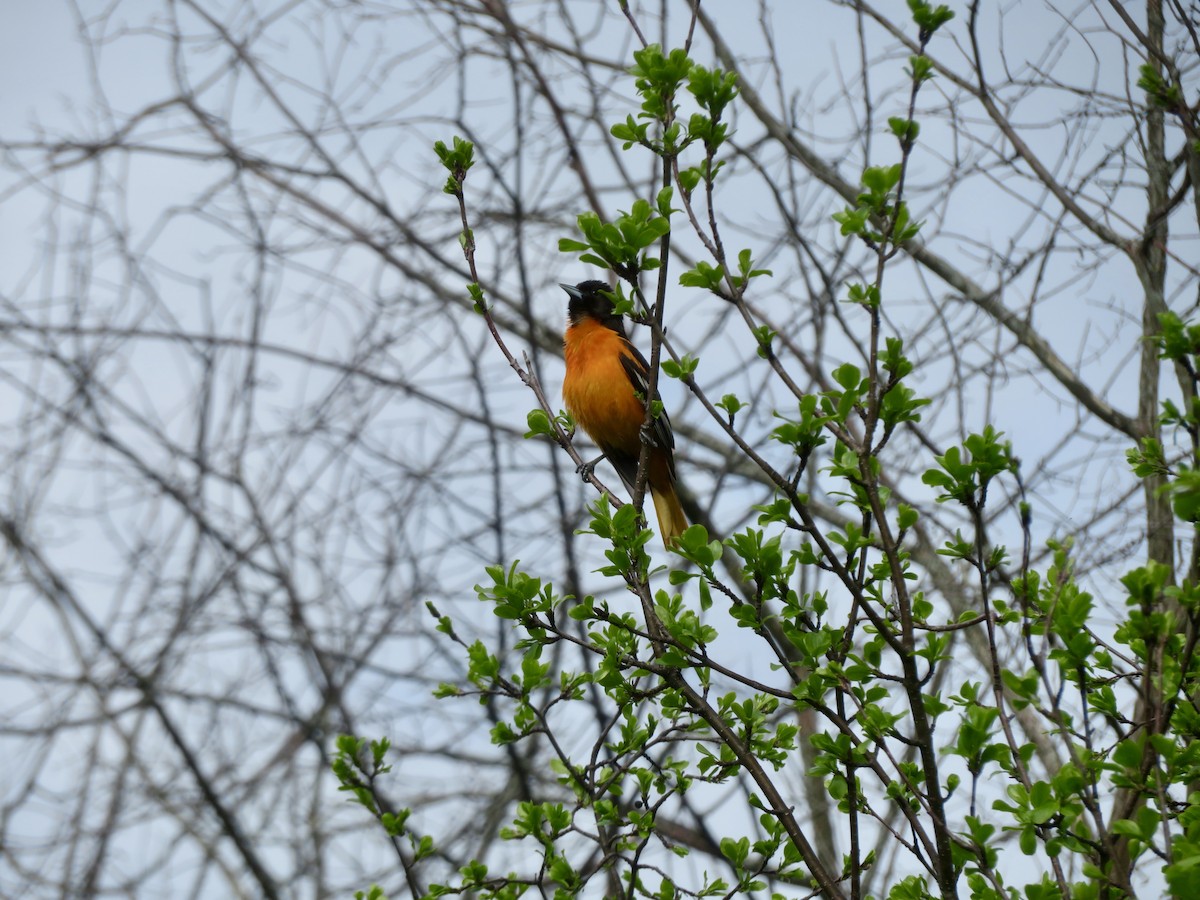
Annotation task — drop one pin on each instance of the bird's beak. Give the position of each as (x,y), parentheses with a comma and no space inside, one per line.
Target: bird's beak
(572,291)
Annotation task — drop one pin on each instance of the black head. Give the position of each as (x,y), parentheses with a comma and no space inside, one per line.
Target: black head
(592,298)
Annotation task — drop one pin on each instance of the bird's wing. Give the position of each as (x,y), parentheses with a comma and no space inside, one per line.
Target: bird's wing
(637,370)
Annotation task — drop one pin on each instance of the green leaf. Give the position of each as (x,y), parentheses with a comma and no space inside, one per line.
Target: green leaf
(703,275)
(539,423)
(735,851)
(848,376)
(920,68)
(689,178)
(456,159)
(683,369)
(764,335)
(663,202)
(905,130)
(731,404)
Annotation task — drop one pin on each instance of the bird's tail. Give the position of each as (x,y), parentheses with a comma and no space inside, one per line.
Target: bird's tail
(671,520)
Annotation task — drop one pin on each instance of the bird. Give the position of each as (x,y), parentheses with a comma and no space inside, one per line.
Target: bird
(604,389)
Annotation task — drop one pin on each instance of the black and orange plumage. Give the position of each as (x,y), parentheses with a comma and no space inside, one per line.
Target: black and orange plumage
(605,383)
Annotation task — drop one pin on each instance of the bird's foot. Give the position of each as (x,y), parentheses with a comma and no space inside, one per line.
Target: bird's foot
(585,469)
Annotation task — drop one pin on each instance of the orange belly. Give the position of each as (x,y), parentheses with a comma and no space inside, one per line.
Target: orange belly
(598,392)
(605,404)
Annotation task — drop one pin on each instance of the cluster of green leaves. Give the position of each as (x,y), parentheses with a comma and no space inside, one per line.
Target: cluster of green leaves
(1179,343)
(878,216)
(357,764)
(658,78)
(711,277)
(1162,91)
(457,159)
(624,245)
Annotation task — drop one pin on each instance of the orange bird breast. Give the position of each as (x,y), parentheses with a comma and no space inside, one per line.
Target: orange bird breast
(601,393)
(597,390)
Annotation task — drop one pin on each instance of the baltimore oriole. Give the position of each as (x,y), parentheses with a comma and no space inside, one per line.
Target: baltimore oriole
(606,382)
